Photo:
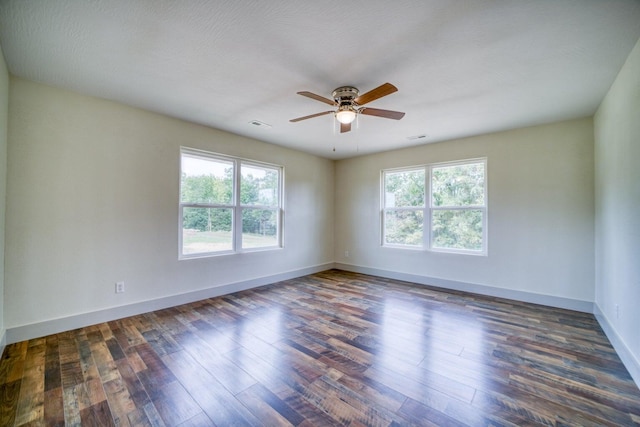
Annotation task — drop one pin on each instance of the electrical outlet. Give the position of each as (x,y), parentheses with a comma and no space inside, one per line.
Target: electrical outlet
(346,254)
(119,287)
(617,311)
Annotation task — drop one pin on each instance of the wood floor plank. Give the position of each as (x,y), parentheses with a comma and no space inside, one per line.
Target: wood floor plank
(162,343)
(138,418)
(423,415)
(120,402)
(156,373)
(104,361)
(597,411)
(87,362)
(12,362)
(9,393)
(135,389)
(200,420)
(332,348)
(75,400)
(286,388)
(374,391)
(208,357)
(52,375)
(97,415)
(30,406)
(53,407)
(368,413)
(213,399)
(174,404)
(268,408)
(153,416)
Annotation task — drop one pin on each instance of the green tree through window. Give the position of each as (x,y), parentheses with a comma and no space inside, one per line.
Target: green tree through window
(259,199)
(458,206)
(404,195)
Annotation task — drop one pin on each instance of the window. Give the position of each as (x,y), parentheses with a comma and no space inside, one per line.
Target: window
(458,209)
(446,200)
(227,204)
(404,207)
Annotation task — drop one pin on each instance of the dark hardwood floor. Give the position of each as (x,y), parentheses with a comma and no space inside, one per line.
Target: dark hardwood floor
(334,348)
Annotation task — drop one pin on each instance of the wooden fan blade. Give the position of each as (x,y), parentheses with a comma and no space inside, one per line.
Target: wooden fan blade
(318,97)
(387,114)
(311,116)
(373,94)
(345,127)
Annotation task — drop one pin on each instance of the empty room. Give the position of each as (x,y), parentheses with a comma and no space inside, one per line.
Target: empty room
(318,213)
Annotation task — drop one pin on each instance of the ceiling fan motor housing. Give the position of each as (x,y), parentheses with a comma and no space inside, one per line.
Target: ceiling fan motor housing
(345,93)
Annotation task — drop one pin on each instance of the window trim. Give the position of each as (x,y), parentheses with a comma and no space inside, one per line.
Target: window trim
(235,205)
(428,209)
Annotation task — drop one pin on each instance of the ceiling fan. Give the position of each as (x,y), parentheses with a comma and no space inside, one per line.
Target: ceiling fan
(350,104)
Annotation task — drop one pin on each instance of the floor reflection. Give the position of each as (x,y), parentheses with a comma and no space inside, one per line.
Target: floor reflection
(420,340)
(401,333)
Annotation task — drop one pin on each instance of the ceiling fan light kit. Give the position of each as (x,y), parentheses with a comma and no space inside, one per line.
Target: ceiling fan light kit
(346,115)
(349,104)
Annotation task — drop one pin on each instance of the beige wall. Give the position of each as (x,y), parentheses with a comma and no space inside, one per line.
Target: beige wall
(4,113)
(92,199)
(617,157)
(540,211)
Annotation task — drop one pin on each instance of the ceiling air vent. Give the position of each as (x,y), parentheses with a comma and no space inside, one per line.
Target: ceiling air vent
(260,124)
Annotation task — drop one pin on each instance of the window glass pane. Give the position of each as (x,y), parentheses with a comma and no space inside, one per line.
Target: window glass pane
(206,230)
(258,186)
(206,180)
(259,228)
(404,189)
(458,185)
(457,229)
(403,227)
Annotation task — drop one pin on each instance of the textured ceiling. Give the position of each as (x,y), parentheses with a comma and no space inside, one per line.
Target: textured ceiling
(462,67)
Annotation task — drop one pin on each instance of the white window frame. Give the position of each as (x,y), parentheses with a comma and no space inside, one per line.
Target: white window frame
(235,205)
(428,209)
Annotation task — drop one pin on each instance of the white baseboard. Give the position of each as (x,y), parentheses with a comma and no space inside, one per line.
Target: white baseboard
(628,359)
(54,326)
(551,301)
